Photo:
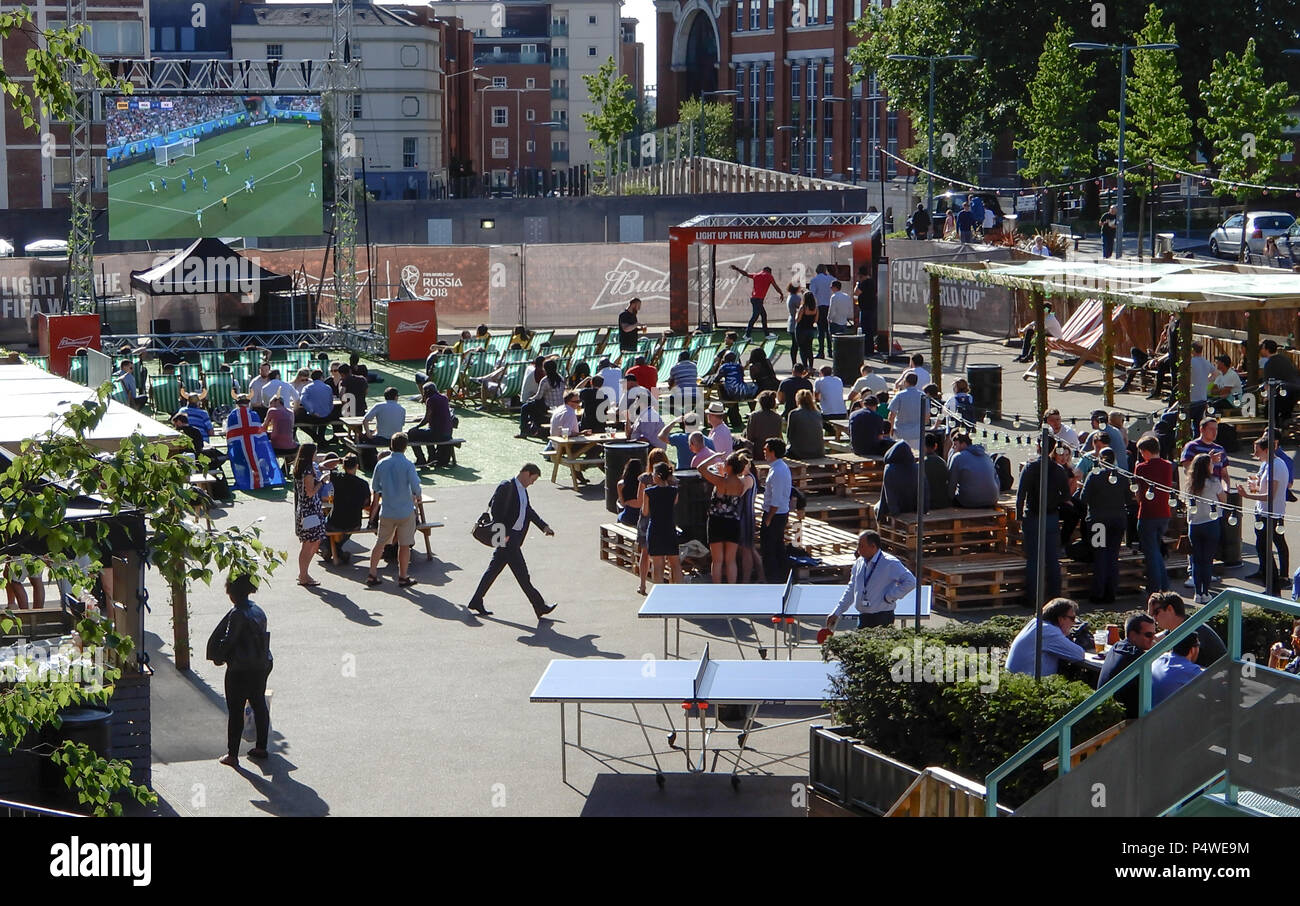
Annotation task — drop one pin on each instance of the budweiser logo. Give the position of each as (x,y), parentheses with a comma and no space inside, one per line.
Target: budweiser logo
(412,326)
(630,278)
(74,342)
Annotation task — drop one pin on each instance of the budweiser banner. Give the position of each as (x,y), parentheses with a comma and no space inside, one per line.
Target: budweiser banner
(586,285)
(412,329)
(62,335)
(975,307)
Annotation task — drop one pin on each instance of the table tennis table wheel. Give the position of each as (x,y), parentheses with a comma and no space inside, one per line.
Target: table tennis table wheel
(762,653)
(735,782)
(659,779)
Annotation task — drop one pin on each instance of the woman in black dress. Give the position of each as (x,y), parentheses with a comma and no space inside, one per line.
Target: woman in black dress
(806,329)
(661,534)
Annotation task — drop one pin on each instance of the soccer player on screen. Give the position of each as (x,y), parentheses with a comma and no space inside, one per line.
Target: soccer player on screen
(227,169)
(191,169)
(153,187)
(182,185)
(311,190)
(225,202)
(164,182)
(205,184)
(198,213)
(248,154)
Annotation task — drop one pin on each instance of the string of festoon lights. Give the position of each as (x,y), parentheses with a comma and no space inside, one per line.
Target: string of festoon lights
(1011,192)
(1236,184)
(1177,498)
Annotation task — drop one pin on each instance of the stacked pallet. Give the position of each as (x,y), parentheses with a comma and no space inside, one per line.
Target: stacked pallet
(821,475)
(863,476)
(848,513)
(949,532)
(618,547)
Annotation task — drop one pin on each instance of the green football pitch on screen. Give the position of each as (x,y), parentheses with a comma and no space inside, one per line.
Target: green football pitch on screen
(268,184)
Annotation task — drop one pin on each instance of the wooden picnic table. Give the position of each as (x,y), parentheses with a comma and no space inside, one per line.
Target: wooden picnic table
(353,424)
(840,426)
(573,451)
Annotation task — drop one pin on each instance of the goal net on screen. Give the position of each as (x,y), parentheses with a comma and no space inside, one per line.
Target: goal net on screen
(165,154)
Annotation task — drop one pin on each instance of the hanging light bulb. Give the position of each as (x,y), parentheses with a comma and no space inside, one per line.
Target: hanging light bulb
(1182,416)
(1112,479)
(1015,423)
(1280,528)
(1214,510)
(1281,391)
(988,418)
(1232,519)
(1150,494)
(1259,525)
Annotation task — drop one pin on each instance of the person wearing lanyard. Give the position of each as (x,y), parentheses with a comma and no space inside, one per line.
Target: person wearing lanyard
(776,510)
(877,582)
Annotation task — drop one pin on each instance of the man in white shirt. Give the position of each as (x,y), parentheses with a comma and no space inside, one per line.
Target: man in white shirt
(1063,432)
(613,379)
(908,411)
(389,417)
(1227,383)
(257,397)
(840,311)
(829,391)
(918,368)
(875,586)
(868,385)
(566,416)
(274,386)
(719,433)
(1202,375)
(1258,490)
(1050,324)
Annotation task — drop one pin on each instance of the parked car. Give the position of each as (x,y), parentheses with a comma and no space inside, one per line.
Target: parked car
(955,200)
(1225,241)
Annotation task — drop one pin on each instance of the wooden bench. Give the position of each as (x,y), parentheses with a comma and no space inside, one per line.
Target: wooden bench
(862,475)
(618,547)
(819,475)
(423,525)
(834,569)
(1064,229)
(949,532)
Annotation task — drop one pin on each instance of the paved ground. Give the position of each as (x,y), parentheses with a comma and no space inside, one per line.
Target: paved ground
(391,702)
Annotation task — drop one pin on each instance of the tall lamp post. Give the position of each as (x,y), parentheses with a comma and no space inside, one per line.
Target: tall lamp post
(720,93)
(1123,91)
(818,156)
(929,150)
(789,161)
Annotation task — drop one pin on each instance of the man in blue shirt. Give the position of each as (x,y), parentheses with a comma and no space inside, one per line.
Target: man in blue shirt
(396,488)
(877,582)
(1058,621)
(684,382)
(316,406)
(126,375)
(820,287)
(1175,669)
(867,429)
(197,415)
(966,223)
(388,416)
(681,440)
(776,511)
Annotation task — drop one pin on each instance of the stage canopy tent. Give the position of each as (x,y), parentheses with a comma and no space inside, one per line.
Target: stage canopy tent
(209,266)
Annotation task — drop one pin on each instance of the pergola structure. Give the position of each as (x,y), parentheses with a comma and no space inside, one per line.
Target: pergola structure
(1183,287)
(714,230)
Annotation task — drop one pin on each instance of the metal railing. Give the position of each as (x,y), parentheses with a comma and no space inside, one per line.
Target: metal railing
(1230,600)
(24,810)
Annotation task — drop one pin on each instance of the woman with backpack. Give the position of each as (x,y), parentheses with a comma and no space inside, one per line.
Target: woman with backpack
(241,642)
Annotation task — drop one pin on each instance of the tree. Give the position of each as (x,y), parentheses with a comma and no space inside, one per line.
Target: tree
(1050,140)
(614,110)
(36,492)
(715,121)
(1245,121)
(53,53)
(1158,126)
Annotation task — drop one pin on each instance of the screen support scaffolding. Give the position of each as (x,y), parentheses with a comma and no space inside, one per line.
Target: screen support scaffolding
(81,236)
(343,83)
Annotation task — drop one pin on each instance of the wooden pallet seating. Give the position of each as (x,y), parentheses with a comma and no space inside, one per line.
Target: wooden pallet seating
(849,513)
(820,538)
(834,569)
(618,547)
(947,532)
(820,475)
(862,475)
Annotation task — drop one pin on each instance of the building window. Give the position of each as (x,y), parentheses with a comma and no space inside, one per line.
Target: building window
(771,13)
(591,51)
(410,106)
(498,81)
(530,114)
(559,55)
(496,50)
(528,48)
(771,83)
(857,9)
(756,14)
(740,15)
(591,20)
(530,83)
(274,51)
(356,106)
(410,55)
(814,10)
(408,153)
(830,11)
(560,116)
(500,116)
(796,82)
(530,146)
(500,148)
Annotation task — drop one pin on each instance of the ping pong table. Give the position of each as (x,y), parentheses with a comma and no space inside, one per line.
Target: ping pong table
(697,688)
(787,607)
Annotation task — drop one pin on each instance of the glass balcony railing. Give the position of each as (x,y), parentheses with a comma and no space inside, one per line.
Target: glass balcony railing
(559,62)
(559,94)
(507,57)
(559,31)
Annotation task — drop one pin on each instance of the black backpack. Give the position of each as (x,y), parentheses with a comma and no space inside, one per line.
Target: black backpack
(1002,465)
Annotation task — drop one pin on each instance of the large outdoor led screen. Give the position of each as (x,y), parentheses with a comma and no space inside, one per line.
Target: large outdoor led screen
(216,165)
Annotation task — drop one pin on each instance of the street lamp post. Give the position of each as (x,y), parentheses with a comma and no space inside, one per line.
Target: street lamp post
(789,161)
(817,149)
(1123,91)
(929,151)
(720,93)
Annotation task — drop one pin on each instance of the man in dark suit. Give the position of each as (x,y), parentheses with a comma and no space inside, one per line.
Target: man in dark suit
(511,515)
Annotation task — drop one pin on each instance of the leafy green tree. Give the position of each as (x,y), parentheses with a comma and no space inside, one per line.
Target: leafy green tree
(36,492)
(716,121)
(614,114)
(53,53)
(1158,126)
(1245,121)
(1050,140)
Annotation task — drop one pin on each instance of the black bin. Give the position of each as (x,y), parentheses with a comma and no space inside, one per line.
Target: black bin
(92,726)
(986,389)
(692,509)
(1230,535)
(847,352)
(616,456)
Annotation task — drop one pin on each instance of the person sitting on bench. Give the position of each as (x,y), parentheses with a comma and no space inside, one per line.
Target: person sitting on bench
(351,497)
(1159,360)
(389,418)
(1050,323)
(280,429)
(435,427)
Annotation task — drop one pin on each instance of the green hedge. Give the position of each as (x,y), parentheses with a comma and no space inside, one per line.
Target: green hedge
(956,725)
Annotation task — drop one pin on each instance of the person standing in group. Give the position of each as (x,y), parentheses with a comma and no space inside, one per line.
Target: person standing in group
(1029,510)
(820,287)
(628,328)
(661,531)
(793,302)
(806,329)
(241,642)
(1155,476)
(308,513)
(643,481)
(878,581)
(763,283)
(512,514)
(1106,495)
(840,314)
(1107,224)
(920,222)
(1269,504)
(397,492)
(724,512)
(908,412)
(1203,522)
(776,511)
(749,563)
(966,224)
(864,294)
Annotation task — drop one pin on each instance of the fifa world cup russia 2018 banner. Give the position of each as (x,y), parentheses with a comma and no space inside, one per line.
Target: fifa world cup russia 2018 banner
(969,306)
(588,285)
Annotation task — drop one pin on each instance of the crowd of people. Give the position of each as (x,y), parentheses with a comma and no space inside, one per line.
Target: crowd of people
(166,115)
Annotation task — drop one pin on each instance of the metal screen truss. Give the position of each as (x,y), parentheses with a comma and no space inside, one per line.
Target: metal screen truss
(167,77)
(81,232)
(725,221)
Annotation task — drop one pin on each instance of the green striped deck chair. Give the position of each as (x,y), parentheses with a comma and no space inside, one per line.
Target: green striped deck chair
(40,361)
(699,341)
(478,363)
(209,361)
(298,359)
(512,382)
(769,348)
(582,354)
(539,340)
(498,344)
(446,372)
(518,355)
(611,349)
(221,390)
(585,338)
(77,369)
(119,393)
(164,397)
(674,344)
(242,375)
(250,359)
(190,374)
(471,345)
(705,358)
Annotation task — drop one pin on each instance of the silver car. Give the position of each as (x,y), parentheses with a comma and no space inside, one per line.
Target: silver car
(1225,241)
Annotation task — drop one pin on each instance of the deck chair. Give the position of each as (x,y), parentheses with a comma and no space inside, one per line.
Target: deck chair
(1080,338)
(540,340)
(209,361)
(221,391)
(585,338)
(119,393)
(512,383)
(191,375)
(446,373)
(40,361)
(497,345)
(77,370)
(165,397)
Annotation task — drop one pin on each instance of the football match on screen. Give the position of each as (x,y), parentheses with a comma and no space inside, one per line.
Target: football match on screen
(223,165)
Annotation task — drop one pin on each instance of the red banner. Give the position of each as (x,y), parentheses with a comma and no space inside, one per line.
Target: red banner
(412,329)
(61,336)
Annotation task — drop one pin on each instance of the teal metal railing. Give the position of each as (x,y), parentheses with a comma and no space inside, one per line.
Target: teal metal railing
(1230,600)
